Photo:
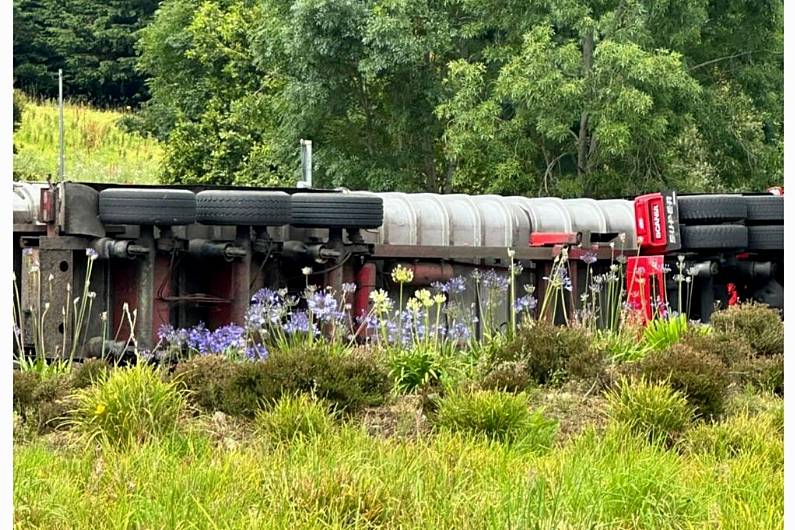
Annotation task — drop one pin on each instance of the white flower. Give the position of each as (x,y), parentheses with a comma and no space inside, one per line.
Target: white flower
(50,277)
(511,253)
(103,316)
(306,271)
(91,295)
(622,237)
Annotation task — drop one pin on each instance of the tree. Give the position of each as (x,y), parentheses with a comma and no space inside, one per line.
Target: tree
(606,98)
(92,41)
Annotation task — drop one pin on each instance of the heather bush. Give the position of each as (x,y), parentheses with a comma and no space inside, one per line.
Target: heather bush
(758,323)
(24,385)
(765,374)
(653,410)
(496,415)
(205,377)
(546,349)
(731,348)
(350,381)
(53,400)
(701,377)
(292,417)
(89,372)
(132,405)
(508,376)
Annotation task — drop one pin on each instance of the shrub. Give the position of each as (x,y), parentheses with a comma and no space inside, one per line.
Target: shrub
(545,349)
(763,373)
(132,405)
(622,346)
(497,416)
(296,416)
(52,398)
(760,324)
(508,376)
(415,368)
(24,384)
(205,377)
(89,372)
(728,347)
(702,378)
(350,381)
(588,365)
(661,333)
(653,410)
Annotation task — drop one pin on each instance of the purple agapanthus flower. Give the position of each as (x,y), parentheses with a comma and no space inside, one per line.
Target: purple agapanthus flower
(348,287)
(457,285)
(525,303)
(299,323)
(323,307)
(257,352)
(589,258)
(492,280)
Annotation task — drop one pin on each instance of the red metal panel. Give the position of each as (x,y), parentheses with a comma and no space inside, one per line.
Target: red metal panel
(163,289)
(124,289)
(541,239)
(365,280)
(646,284)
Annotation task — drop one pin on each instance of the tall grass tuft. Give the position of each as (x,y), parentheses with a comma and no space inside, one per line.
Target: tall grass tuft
(497,416)
(294,416)
(653,410)
(131,405)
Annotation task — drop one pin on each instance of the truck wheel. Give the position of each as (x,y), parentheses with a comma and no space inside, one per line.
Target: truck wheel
(141,206)
(252,208)
(714,237)
(765,207)
(337,210)
(766,237)
(709,209)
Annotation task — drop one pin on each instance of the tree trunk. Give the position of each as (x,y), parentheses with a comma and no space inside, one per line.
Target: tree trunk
(583,141)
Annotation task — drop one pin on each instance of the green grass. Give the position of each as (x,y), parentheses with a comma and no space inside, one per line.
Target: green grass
(347,479)
(96,149)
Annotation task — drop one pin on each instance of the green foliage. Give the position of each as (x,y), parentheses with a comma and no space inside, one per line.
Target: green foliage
(17,109)
(731,348)
(205,379)
(89,372)
(132,405)
(53,401)
(96,149)
(765,374)
(92,41)
(571,99)
(743,434)
(292,417)
(623,345)
(760,324)
(662,333)
(497,416)
(546,350)
(24,385)
(652,410)
(349,381)
(416,368)
(507,376)
(702,378)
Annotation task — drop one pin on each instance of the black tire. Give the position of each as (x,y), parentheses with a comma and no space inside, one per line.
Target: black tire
(337,210)
(253,208)
(765,208)
(714,237)
(711,209)
(766,237)
(141,206)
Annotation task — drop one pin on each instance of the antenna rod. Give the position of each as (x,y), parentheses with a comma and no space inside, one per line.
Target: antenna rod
(60,126)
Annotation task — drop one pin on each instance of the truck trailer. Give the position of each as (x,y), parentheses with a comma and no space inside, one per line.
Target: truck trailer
(180,255)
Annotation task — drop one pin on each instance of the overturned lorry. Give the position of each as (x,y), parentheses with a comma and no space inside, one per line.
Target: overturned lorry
(181,255)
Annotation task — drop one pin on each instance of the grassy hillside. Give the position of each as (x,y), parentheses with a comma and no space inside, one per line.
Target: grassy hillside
(96,149)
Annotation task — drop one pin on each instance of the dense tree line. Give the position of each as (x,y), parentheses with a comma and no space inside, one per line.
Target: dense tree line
(93,41)
(568,97)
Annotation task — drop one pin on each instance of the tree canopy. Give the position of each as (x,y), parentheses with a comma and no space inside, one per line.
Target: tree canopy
(564,97)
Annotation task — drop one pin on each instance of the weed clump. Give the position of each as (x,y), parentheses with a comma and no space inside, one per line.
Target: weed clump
(546,350)
(743,434)
(205,377)
(132,405)
(730,348)
(89,372)
(416,368)
(497,416)
(293,417)
(508,376)
(653,410)
(25,384)
(765,374)
(758,323)
(701,377)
